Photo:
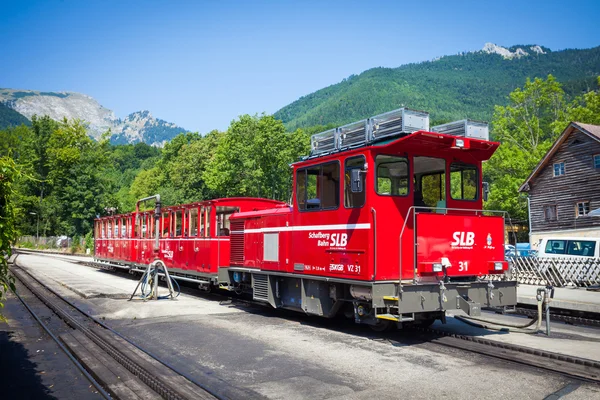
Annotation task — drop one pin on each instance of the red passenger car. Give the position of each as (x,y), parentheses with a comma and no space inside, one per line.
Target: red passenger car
(193,242)
(387,225)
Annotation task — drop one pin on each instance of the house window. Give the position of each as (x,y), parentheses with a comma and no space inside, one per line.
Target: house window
(596,160)
(559,169)
(550,213)
(583,208)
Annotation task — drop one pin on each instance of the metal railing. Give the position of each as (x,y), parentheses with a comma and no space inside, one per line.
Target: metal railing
(557,272)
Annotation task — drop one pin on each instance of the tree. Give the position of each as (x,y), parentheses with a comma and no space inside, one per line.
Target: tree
(76,165)
(9,173)
(252,159)
(586,108)
(526,127)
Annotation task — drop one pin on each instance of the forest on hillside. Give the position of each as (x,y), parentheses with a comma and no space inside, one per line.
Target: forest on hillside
(66,179)
(450,88)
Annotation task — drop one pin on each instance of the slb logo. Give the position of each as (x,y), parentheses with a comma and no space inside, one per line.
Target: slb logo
(339,239)
(463,239)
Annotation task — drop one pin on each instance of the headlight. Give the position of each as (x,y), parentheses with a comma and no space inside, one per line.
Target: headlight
(498,266)
(437,267)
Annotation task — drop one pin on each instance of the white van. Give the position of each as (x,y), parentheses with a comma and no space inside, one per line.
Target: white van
(579,247)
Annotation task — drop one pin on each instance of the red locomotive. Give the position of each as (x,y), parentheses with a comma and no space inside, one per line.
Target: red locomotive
(386,223)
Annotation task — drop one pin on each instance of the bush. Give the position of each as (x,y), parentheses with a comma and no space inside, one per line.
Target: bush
(75,244)
(89,241)
(26,245)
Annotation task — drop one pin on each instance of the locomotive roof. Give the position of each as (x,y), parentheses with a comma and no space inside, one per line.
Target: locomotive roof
(480,150)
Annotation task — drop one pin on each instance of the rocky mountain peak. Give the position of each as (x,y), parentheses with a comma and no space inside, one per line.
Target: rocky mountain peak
(139,126)
(514,51)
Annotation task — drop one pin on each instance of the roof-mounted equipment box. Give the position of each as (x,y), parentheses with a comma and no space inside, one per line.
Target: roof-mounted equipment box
(403,120)
(466,128)
(324,142)
(353,135)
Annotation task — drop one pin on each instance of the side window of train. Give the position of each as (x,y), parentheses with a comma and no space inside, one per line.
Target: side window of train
(193,222)
(202,222)
(392,177)
(144,226)
(354,200)
(165,224)
(116,226)
(463,181)
(207,216)
(176,223)
(318,187)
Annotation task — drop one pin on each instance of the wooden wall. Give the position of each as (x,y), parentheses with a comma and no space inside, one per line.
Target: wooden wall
(581,182)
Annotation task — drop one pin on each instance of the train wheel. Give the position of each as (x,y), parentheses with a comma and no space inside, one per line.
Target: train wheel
(382,325)
(426,323)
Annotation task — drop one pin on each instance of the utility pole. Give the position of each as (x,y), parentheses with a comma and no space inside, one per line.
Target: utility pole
(37,231)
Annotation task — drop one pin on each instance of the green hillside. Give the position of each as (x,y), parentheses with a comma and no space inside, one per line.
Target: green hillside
(9,117)
(450,88)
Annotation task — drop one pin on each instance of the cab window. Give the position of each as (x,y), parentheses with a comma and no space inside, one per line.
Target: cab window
(463,181)
(430,182)
(392,175)
(354,200)
(318,187)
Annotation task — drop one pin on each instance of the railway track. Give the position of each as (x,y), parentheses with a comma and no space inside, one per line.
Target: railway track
(571,366)
(115,366)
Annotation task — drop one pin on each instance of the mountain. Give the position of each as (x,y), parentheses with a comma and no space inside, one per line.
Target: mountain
(466,85)
(9,117)
(137,127)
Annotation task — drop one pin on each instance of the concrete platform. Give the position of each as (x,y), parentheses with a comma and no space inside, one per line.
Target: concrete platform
(577,299)
(100,286)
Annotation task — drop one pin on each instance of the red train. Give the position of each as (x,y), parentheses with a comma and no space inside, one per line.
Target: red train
(386,225)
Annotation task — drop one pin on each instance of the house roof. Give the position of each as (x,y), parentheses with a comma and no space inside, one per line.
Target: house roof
(592,131)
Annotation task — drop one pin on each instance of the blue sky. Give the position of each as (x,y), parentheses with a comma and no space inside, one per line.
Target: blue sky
(200,64)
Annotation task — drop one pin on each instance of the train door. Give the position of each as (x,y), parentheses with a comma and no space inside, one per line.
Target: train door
(131,250)
(191,241)
(391,199)
(143,246)
(165,227)
(223,230)
(177,229)
(207,243)
(110,251)
(120,251)
(98,238)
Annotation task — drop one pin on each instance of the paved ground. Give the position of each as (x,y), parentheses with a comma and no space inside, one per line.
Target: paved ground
(254,352)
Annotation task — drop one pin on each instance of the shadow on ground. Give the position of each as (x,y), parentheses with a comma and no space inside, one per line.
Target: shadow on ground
(18,375)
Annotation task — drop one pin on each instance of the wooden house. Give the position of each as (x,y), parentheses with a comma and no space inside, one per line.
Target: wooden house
(565,186)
